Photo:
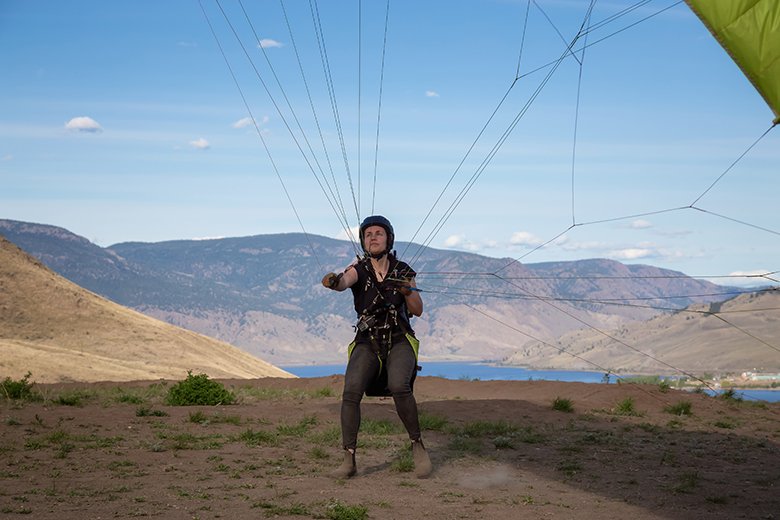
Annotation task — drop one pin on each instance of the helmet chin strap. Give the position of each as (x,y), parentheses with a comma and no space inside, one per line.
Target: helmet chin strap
(377,256)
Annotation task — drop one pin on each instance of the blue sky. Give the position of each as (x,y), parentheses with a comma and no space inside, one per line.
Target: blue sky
(120,121)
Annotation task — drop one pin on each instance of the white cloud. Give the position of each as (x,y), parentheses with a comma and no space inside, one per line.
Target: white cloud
(453,241)
(83,124)
(268,43)
(342,235)
(243,123)
(7,157)
(524,238)
(583,246)
(641,224)
(631,253)
(460,242)
(431,93)
(200,144)
(247,121)
(675,233)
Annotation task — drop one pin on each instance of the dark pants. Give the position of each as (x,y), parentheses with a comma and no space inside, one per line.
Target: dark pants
(362,368)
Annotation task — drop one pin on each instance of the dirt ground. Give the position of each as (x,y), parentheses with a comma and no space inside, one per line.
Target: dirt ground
(499,449)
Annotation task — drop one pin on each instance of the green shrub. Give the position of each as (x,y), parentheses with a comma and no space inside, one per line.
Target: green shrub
(74,397)
(562,404)
(199,390)
(20,389)
(681,408)
(626,407)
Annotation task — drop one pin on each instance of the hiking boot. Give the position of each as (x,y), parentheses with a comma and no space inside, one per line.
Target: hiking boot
(422,463)
(348,467)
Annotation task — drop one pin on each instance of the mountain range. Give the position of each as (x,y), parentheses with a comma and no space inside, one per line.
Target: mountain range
(263,294)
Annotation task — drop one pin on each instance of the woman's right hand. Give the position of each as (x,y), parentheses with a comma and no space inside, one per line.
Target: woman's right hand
(331,280)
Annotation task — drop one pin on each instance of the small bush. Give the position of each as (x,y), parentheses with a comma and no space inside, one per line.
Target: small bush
(20,389)
(563,405)
(681,408)
(199,390)
(626,407)
(74,397)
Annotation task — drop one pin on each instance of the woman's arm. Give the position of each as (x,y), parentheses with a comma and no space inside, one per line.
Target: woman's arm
(414,303)
(341,282)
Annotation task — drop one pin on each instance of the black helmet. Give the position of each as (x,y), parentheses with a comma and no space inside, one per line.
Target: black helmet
(378,220)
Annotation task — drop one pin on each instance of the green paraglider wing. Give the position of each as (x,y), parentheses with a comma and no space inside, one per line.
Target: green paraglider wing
(749,30)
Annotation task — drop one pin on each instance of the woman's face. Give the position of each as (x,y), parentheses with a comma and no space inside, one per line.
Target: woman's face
(375,239)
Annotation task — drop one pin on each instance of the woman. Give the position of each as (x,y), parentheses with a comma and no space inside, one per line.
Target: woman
(383,356)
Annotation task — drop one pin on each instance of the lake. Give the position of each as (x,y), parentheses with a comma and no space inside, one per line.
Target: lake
(487,372)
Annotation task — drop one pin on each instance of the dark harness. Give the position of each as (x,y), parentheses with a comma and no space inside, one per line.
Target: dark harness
(382,322)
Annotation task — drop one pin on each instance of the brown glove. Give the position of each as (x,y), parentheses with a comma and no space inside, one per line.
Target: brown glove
(331,280)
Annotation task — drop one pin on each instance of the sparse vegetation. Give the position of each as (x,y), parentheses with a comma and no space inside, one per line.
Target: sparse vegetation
(431,422)
(626,407)
(217,418)
(299,429)
(338,511)
(562,404)
(686,482)
(21,389)
(269,394)
(680,408)
(145,411)
(250,464)
(199,390)
(380,427)
(403,462)
(257,438)
(76,397)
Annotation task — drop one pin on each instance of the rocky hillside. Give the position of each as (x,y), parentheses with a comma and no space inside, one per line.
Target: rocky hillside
(262,293)
(737,335)
(61,332)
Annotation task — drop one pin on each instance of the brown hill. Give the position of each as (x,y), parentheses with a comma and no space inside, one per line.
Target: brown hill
(734,336)
(62,332)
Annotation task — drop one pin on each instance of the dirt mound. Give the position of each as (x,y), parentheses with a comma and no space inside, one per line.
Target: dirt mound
(62,332)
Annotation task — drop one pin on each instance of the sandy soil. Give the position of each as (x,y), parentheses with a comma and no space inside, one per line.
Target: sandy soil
(499,451)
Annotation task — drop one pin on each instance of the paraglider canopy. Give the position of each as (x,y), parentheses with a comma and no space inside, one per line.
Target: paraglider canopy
(749,30)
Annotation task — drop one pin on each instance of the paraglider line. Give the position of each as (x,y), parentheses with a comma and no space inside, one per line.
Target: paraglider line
(295,117)
(379,107)
(727,170)
(260,134)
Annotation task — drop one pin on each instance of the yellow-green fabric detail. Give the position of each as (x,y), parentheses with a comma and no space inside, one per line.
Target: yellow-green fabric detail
(415,343)
(749,31)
